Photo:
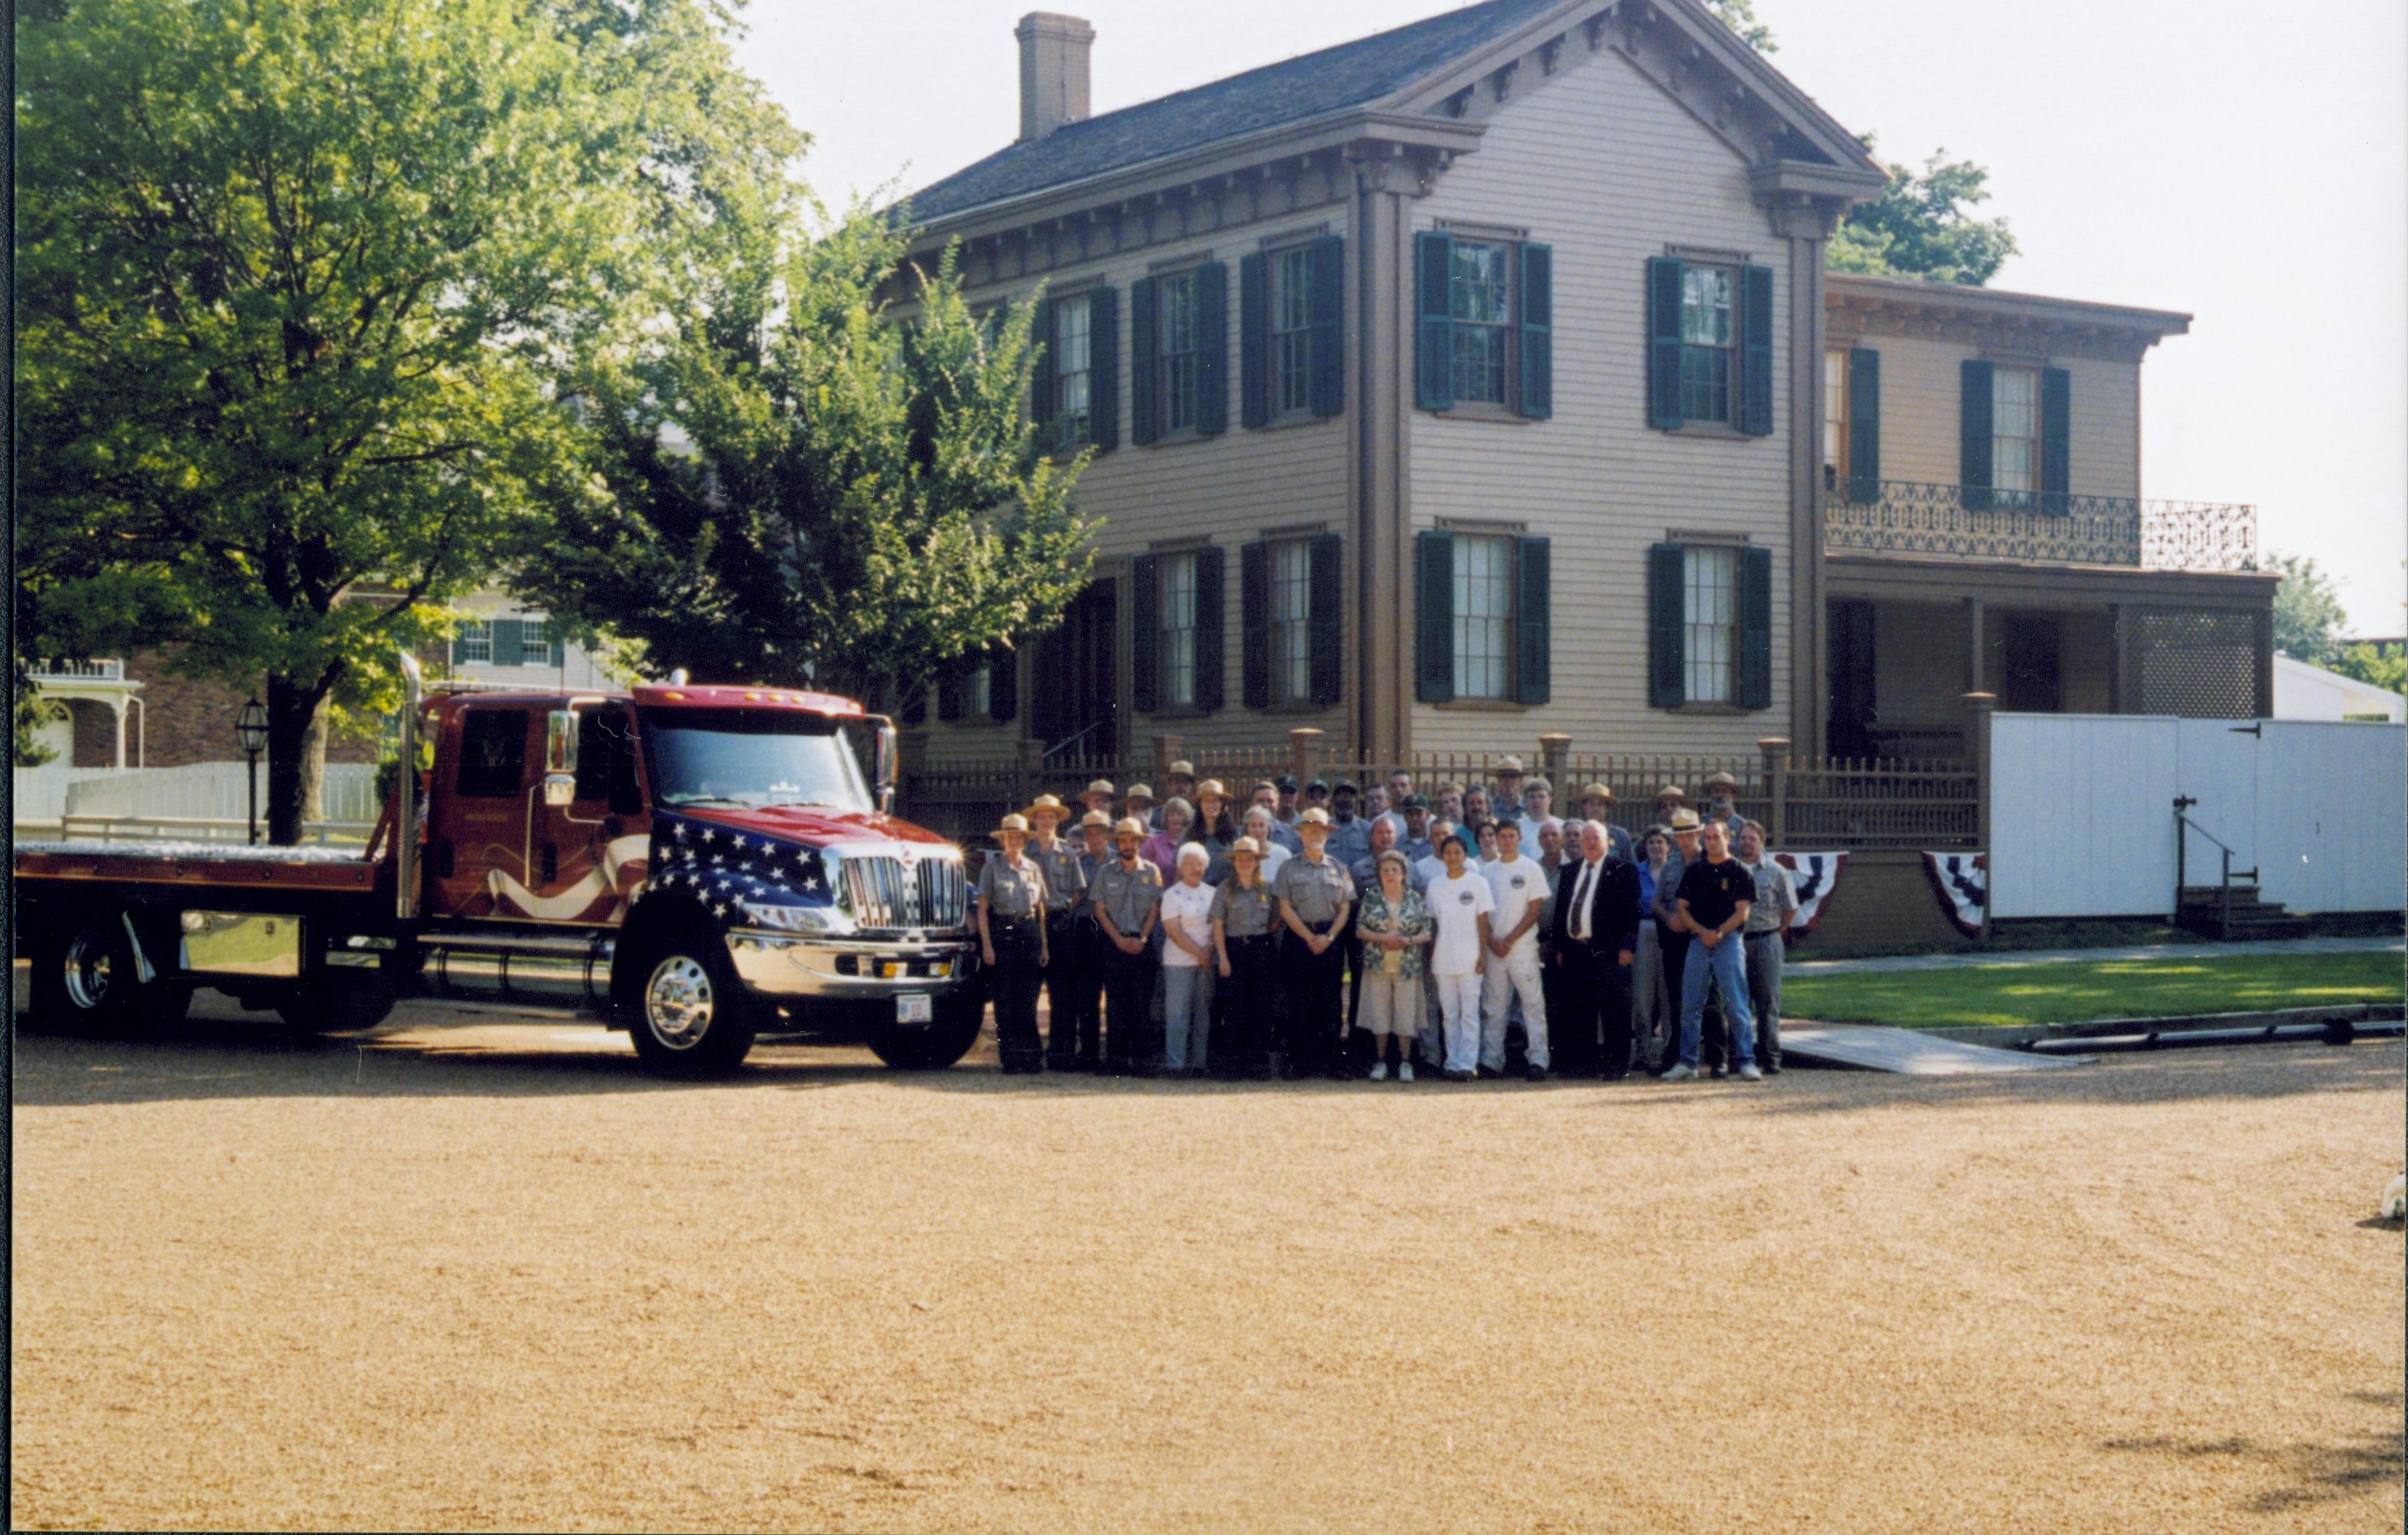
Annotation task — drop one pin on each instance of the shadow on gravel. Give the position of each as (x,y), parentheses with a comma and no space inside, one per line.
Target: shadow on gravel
(2314,1472)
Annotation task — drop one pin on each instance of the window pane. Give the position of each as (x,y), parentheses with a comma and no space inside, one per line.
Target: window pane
(1480,363)
(1705,383)
(477,642)
(1177,339)
(1482,300)
(1484,616)
(535,642)
(1480,282)
(1073,364)
(1291,279)
(1710,638)
(982,689)
(1179,631)
(1706,305)
(1835,412)
(2014,424)
(1291,621)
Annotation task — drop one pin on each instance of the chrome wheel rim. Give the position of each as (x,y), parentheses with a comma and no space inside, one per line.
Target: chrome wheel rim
(678,1002)
(88,970)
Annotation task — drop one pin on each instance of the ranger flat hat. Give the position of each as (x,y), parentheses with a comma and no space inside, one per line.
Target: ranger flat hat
(1507,767)
(1045,805)
(1246,845)
(1128,826)
(1671,790)
(1211,788)
(1721,780)
(1314,817)
(1101,786)
(1094,818)
(1182,768)
(1016,824)
(1683,820)
(1598,791)
(1139,791)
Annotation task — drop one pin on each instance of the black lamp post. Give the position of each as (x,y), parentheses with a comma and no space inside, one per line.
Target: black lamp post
(251,725)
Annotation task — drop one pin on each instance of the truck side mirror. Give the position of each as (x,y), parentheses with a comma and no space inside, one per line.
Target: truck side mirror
(560,745)
(889,754)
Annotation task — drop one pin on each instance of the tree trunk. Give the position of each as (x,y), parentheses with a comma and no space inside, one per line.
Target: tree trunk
(296,754)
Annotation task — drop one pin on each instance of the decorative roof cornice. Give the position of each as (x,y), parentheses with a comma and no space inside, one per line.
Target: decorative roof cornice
(1859,304)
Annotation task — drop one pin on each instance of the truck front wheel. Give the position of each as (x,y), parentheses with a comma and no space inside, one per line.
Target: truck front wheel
(686,1009)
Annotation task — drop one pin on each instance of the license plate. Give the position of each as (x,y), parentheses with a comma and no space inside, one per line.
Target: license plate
(915,1007)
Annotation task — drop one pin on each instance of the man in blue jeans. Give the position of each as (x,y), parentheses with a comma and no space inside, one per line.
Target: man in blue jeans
(1715,895)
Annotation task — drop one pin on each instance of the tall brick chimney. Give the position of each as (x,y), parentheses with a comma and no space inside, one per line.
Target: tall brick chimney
(1052,72)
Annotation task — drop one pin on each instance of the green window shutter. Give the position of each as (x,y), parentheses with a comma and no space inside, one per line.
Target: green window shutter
(559,649)
(1143,379)
(1667,612)
(1664,342)
(1041,386)
(1255,622)
(1434,617)
(1973,433)
(1253,340)
(916,708)
(1002,684)
(2055,439)
(456,646)
(1755,350)
(949,697)
(1328,610)
(1434,326)
(1329,382)
(1145,603)
(1754,628)
(1537,394)
(510,642)
(1104,369)
(1212,358)
(1207,628)
(1864,425)
(1533,605)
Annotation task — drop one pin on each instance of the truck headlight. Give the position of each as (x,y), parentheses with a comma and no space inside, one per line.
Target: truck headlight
(795,918)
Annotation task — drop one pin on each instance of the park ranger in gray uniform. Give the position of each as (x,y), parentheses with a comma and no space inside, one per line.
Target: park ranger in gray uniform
(1066,885)
(1126,893)
(1011,933)
(1315,894)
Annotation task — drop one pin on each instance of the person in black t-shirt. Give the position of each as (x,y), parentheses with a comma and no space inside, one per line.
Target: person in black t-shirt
(1715,896)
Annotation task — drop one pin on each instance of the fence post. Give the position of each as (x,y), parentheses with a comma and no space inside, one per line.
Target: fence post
(1032,769)
(1165,752)
(1776,786)
(1304,744)
(1979,710)
(1556,761)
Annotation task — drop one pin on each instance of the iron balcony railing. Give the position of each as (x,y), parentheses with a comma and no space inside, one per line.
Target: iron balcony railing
(1906,517)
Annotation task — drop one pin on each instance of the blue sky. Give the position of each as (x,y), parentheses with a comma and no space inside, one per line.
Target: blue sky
(2235,163)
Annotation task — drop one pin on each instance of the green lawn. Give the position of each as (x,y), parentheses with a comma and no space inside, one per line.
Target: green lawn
(2180,984)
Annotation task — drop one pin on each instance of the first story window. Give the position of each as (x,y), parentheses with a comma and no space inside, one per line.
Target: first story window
(474,644)
(1073,343)
(1179,350)
(535,642)
(1481,299)
(2015,433)
(1835,415)
(1484,615)
(1708,339)
(1710,622)
(1177,631)
(1291,621)
(982,690)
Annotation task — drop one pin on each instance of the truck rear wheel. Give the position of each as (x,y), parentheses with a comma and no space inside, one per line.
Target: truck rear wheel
(688,1012)
(85,978)
(932,1046)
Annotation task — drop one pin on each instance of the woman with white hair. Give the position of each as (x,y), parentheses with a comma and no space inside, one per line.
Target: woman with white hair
(1258,826)
(1187,964)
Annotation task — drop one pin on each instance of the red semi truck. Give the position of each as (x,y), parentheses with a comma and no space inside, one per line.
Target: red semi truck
(696,864)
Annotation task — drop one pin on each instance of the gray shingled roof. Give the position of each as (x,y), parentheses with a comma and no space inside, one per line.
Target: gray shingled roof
(1350,75)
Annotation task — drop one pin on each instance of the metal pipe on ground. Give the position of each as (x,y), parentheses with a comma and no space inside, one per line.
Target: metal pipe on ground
(2337,1032)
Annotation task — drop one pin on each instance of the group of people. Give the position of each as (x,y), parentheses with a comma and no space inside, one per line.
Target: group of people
(1344,931)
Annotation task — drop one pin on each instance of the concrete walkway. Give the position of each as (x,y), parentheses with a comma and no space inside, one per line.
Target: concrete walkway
(2065,956)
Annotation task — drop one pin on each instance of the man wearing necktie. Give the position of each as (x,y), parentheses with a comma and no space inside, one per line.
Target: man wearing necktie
(1593,938)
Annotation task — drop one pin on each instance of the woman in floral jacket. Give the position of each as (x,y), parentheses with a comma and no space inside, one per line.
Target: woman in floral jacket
(1394,927)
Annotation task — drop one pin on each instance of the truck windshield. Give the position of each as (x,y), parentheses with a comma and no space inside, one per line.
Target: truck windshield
(752,758)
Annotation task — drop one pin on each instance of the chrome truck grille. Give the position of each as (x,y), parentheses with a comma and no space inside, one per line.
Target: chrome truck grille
(887,894)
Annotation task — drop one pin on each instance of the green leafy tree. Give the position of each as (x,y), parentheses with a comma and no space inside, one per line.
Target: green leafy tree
(1920,226)
(1740,16)
(2377,665)
(296,278)
(27,714)
(809,483)
(2307,610)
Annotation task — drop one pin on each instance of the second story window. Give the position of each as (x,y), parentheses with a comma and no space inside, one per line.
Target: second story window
(1484,615)
(1177,643)
(1180,344)
(1481,295)
(2015,433)
(1835,416)
(1291,339)
(1291,622)
(1707,338)
(1074,368)
(1710,611)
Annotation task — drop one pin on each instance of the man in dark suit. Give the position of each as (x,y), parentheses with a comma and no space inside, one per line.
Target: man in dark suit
(1593,938)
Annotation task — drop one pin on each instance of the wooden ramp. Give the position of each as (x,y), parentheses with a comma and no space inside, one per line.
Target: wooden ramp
(1870,1047)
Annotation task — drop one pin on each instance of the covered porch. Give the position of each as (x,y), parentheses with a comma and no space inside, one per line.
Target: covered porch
(1910,636)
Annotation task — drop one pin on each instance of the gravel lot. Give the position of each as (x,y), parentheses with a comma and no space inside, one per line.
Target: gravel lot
(475,1273)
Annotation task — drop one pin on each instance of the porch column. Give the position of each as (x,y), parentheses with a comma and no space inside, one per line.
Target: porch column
(1977,625)
(1379,408)
(1804,222)
(117,713)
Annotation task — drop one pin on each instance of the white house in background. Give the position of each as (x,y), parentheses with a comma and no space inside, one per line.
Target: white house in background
(2306,691)
(505,641)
